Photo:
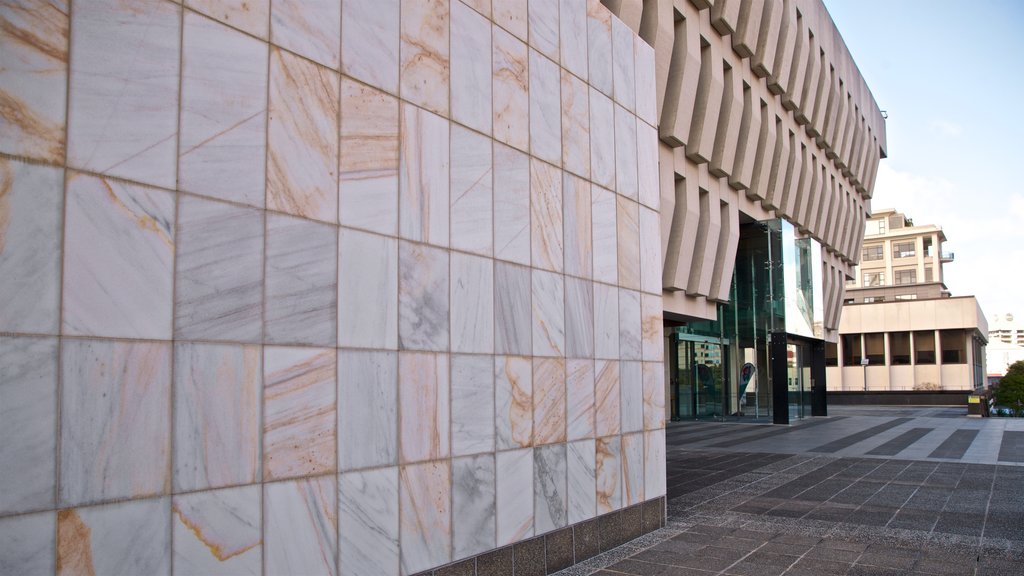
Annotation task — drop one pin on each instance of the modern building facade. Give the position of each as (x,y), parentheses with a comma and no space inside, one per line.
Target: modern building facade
(375,286)
(900,329)
(1005,344)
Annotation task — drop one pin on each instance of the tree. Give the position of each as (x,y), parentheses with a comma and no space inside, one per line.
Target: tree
(1010,391)
(1017,368)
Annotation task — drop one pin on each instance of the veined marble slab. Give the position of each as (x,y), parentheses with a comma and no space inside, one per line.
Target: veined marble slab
(650,251)
(606,321)
(27,543)
(545,106)
(608,472)
(302,137)
(216,415)
(472,196)
(308,27)
(424,185)
(367,290)
(579,384)
(626,182)
(33,76)
(424,55)
(298,412)
(629,325)
(301,526)
(632,469)
(472,398)
(424,406)
(470,68)
(511,85)
(572,20)
(31,219)
(131,537)
(123,112)
(599,46)
(514,495)
(512,15)
(28,424)
(543,20)
(654,463)
(368,165)
(582,480)
(425,506)
(367,409)
(546,216)
(423,305)
(605,246)
(252,16)
(579,319)
(472,304)
(654,395)
(301,282)
(368,522)
(513,402)
(602,139)
(577,223)
(645,79)
(548,400)
(222,152)
(607,398)
(473,505)
(651,327)
(550,496)
(513,310)
(575,125)
(548,313)
(218,532)
(648,186)
(631,391)
(511,205)
(115,436)
(369,42)
(623,65)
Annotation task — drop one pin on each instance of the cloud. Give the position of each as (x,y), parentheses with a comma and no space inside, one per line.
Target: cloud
(946,128)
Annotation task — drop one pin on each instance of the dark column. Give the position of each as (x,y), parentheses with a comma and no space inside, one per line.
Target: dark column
(819,401)
(780,388)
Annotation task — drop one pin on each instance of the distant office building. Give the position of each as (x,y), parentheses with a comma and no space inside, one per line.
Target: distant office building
(900,329)
(1005,344)
(1006,328)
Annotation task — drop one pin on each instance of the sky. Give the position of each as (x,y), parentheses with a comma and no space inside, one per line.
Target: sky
(950,76)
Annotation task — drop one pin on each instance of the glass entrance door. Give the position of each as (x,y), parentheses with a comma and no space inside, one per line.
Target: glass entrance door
(798,379)
(701,380)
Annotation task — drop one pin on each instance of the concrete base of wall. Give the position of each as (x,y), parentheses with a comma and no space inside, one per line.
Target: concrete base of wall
(899,398)
(560,549)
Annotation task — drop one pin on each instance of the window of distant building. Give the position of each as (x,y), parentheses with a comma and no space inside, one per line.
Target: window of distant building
(874,279)
(906,277)
(924,347)
(899,348)
(831,354)
(873,252)
(873,299)
(928,274)
(874,348)
(851,349)
(895,221)
(874,227)
(904,249)
(848,301)
(851,281)
(906,296)
(953,346)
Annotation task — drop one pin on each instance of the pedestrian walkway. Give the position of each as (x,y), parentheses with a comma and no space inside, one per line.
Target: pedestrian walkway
(872,491)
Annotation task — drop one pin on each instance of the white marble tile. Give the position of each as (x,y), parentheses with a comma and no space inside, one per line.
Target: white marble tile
(577,224)
(423,177)
(627,224)
(602,139)
(252,16)
(367,290)
(513,311)
(127,538)
(511,98)
(424,406)
(548,314)
(608,473)
(367,409)
(302,138)
(543,21)
(623,65)
(511,205)
(654,395)
(472,401)
(425,512)
(512,15)
(605,232)
(368,522)
(369,42)
(481,6)
(368,165)
(607,398)
(300,526)
(27,544)
(599,46)
(513,402)
(626,182)
(654,463)
(423,305)
(579,319)
(546,216)
(545,107)
(216,415)
(579,391)
(606,321)
(218,532)
(30,255)
(298,412)
(123,112)
(115,422)
(473,505)
(575,125)
(550,498)
(222,153)
(572,20)
(651,327)
(119,259)
(472,188)
(646,82)
(470,68)
(219,285)
(33,77)
(631,394)
(28,423)
(582,480)
(650,251)
(549,409)
(632,469)
(301,282)
(424,53)
(629,325)
(648,186)
(311,28)
(472,304)
(514,495)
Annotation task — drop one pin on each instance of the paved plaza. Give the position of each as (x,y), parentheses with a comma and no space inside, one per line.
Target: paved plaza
(873,490)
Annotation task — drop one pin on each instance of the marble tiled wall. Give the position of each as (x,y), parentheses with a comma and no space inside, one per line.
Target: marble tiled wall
(321,286)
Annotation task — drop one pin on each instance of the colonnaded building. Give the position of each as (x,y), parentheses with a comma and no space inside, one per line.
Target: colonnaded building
(377,286)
